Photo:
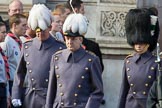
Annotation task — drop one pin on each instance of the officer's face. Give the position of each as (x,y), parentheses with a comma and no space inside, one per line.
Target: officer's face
(2,33)
(43,35)
(21,28)
(15,8)
(65,14)
(141,48)
(31,33)
(81,10)
(57,24)
(73,43)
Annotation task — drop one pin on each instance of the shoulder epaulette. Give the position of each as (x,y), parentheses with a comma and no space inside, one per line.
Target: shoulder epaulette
(60,41)
(58,52)
(90,52)
(130,55)
(28,40)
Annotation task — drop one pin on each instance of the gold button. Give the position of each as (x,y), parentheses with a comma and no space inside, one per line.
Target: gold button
(56,67)
(62,103)
(129,77)
(134,92)
(75,103)
(61,94)
(56,58)
(131,84)
(152,68)
(46,80)
(33,88)
(75,95)
(86,68)
(128,69)
(149,77)
(144,92)
(58,76)
(26,55)
(79,86)
(28,63)
(30,71)
(26,47)
(60,48)
(146,85)
(82,77)
(60,85)
(89,60)
(128,61)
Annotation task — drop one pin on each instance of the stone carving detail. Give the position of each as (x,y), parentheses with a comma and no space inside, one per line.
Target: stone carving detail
(119,1)
(112,23)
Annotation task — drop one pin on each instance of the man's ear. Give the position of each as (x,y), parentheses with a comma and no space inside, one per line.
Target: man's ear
(76,10)
(81,39)
(14,25)
(8,11)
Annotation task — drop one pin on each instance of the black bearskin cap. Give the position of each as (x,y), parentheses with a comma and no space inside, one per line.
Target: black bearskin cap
(138,27)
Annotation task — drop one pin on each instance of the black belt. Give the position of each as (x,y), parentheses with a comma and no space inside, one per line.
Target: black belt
(2,85)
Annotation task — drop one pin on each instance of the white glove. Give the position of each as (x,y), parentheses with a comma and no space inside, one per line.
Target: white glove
(16,102)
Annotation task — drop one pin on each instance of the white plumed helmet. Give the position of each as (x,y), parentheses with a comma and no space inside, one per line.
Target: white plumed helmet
(75,25)
(39,17)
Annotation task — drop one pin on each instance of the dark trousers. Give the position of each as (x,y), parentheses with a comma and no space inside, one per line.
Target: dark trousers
(10,87)
(10,90)
(3,102)
(3,96)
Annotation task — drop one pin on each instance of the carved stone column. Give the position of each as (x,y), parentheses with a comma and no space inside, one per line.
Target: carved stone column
(110,30)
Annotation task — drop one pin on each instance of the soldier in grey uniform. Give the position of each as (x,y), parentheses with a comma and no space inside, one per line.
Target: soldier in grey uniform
(76,71)
(140,69)
(35,62)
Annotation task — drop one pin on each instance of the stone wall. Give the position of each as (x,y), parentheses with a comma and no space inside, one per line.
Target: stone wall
(110,28)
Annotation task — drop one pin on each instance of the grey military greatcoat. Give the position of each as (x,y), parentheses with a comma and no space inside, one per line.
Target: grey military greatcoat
(139,73)
(79,82)
(34,65)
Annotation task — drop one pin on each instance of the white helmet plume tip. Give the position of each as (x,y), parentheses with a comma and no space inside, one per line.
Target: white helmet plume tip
(39,17)
(76,23)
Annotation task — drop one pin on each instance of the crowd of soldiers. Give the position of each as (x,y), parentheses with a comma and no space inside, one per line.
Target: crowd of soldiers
(47,62)
(30,40)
